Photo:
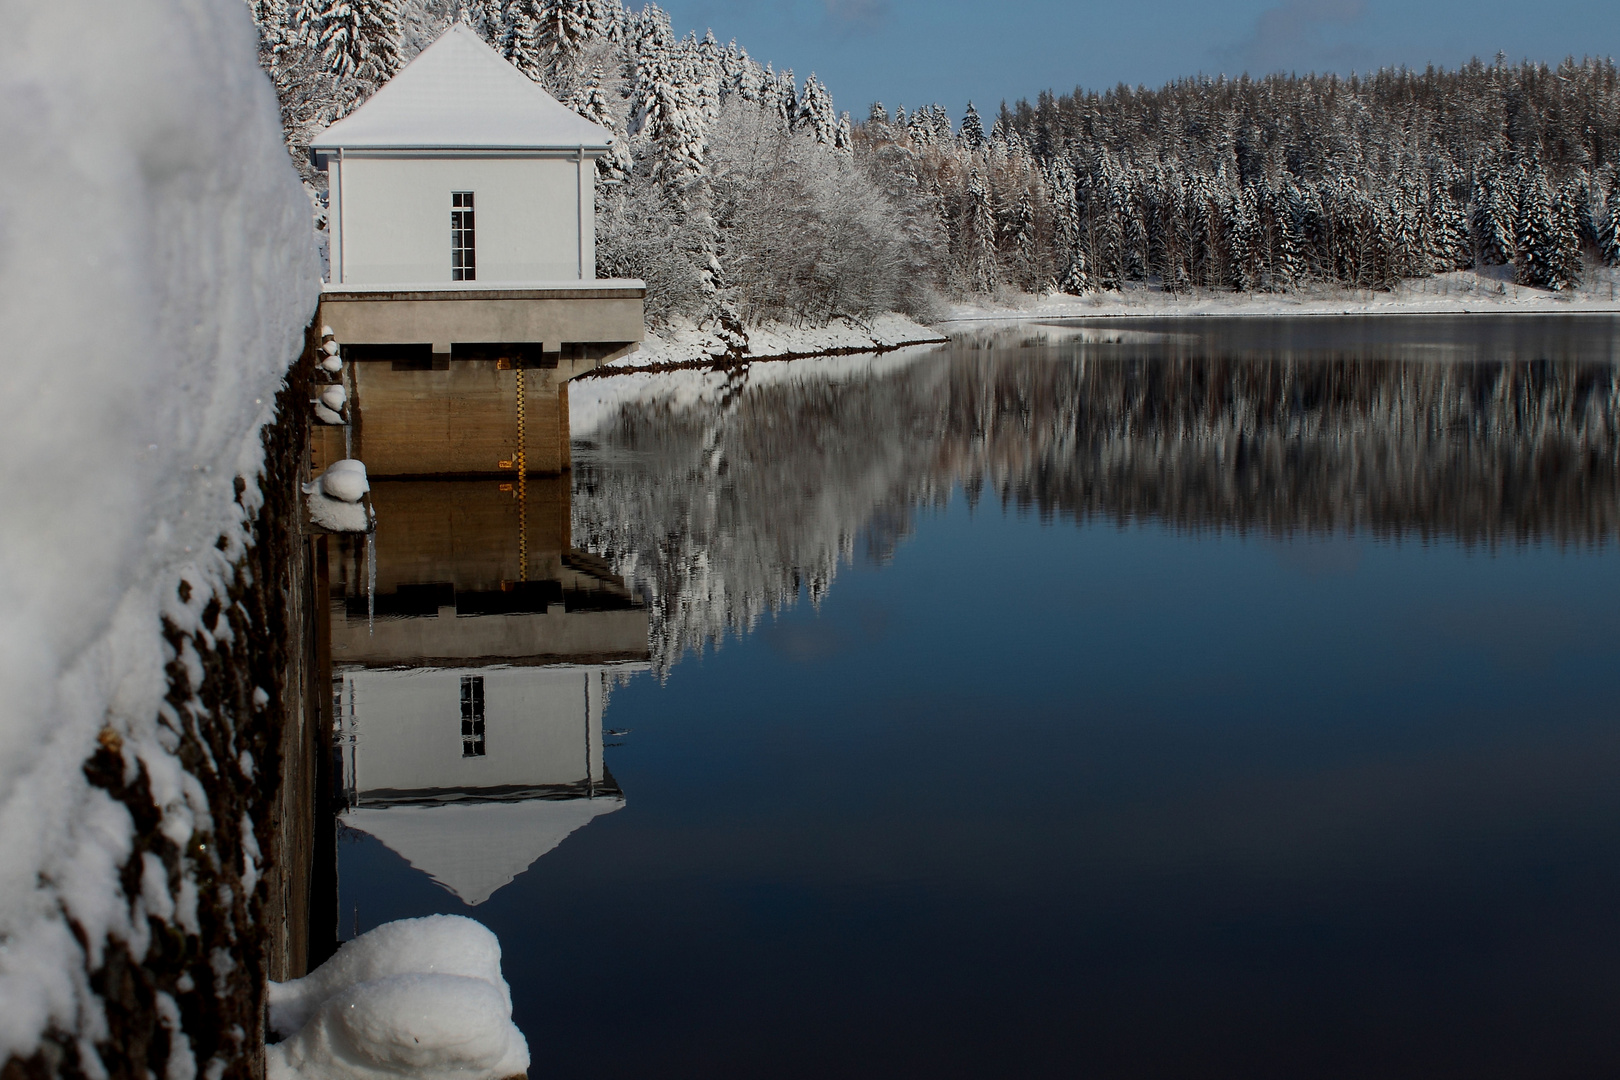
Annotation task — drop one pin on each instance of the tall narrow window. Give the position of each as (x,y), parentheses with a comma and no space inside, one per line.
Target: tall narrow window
(472,716)
(463,266)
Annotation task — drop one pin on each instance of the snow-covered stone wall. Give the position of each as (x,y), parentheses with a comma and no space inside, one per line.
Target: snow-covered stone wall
(157,274)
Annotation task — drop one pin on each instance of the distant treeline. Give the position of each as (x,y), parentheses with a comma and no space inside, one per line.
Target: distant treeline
(1263,184)
(739,194)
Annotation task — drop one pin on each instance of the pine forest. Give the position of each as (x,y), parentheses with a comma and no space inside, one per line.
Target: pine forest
(740,194)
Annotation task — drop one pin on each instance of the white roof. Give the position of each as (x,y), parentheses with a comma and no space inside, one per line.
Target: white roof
(471,848)
(459,94)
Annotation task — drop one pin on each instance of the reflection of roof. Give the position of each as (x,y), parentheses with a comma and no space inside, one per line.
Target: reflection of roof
(473,849)
(459,94)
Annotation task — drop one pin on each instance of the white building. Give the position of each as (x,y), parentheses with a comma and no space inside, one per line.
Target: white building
(461,169)
(462,225)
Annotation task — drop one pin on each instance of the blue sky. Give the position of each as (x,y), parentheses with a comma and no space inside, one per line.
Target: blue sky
(915,52)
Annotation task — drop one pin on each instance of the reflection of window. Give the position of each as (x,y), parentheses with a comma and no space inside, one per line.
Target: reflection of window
(472,716)
(463,266)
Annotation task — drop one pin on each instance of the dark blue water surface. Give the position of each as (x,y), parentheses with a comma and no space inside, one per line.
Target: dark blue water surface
(1227,699)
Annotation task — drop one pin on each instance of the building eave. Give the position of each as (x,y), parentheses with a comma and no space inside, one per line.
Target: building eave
(441,150)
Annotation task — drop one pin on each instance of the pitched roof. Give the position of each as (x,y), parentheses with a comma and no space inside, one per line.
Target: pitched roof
(474,849)
(460,94)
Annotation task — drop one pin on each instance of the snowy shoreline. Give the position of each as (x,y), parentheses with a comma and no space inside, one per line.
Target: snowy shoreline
(1459,293)
(686,346)
(1491,292)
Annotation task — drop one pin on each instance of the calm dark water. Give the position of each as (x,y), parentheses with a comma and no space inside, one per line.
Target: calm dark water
(1215,698)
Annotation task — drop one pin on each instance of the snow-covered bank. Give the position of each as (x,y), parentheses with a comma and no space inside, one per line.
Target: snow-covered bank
(1462,292)
(1490,291)
(687,345)
(156,274)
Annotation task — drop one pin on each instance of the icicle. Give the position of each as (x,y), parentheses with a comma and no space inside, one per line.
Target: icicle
(371,581)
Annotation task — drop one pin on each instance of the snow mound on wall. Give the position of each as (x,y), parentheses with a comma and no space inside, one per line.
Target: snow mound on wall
(439,944)
(428,1027)
(156,270)
(418,997)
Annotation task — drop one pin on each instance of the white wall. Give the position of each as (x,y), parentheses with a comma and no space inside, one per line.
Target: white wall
(395,218)
(541,726)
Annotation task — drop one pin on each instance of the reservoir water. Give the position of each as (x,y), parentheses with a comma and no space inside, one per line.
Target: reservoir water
(1154,699)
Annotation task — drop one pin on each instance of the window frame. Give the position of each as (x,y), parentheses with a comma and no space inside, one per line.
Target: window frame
(473,744)
(463,237)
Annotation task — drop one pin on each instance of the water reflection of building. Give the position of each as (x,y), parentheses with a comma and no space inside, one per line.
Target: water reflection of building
(471,677)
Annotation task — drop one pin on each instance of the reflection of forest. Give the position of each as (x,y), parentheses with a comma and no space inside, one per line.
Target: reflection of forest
(720,496)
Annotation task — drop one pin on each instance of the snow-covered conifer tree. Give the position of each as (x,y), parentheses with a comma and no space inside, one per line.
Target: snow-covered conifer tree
(877,114)
(1289,263)
(1447,245)
(972,134)
(1019,242)
(1491,218)
(487,17)
(517,39)
(785,97)
(1240,240)
(651,69)
(303,22)
(981,235)
(701,68)
(360,38)
(1172,228)
(816,111)
(844,137)
(742,76)
(615,22)
(591,102)
(1133,234)
(1564,254)
(1407,256)
(271,17)
(562,28)
(1609,229)
(1378,270)
(921,127)
(1073,276)
(1205,256)
(673,122)
(1534,236)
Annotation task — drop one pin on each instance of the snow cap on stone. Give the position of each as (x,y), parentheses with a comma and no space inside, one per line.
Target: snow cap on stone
(345,480)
